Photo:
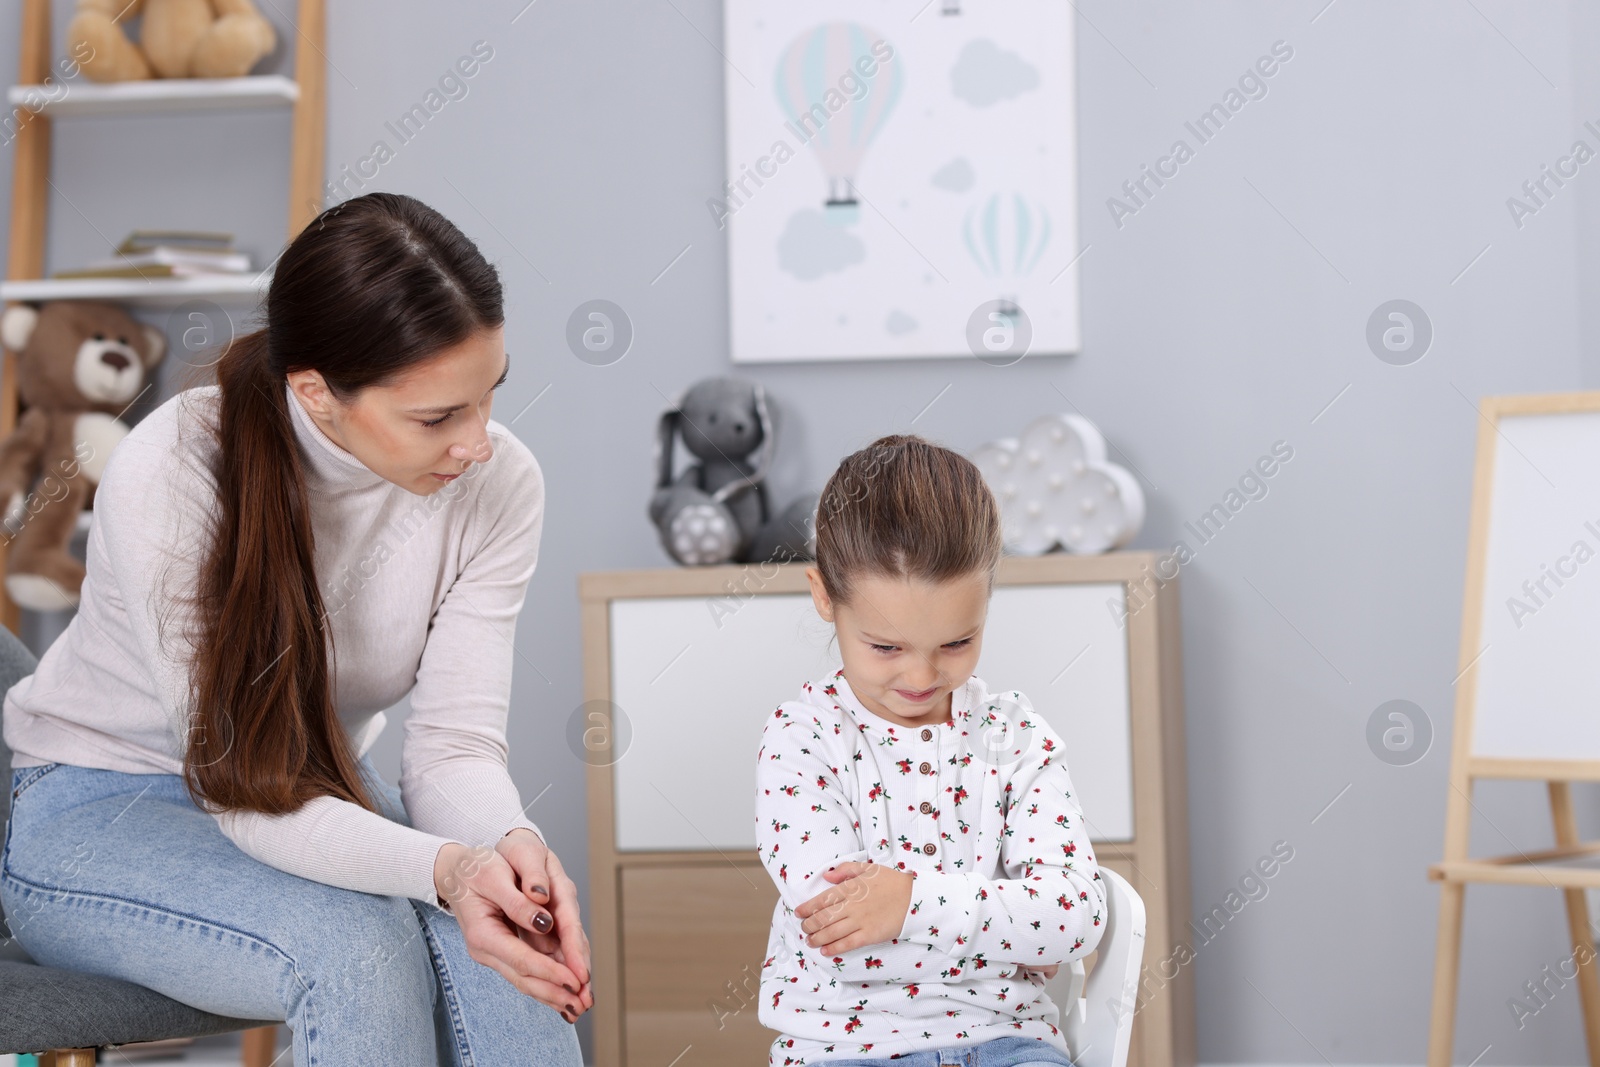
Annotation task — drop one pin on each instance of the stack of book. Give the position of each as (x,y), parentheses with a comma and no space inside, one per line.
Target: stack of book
(167,254)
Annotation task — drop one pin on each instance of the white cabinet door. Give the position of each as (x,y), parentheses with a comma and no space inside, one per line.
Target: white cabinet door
(1063,648)
(696,681)
(696,684)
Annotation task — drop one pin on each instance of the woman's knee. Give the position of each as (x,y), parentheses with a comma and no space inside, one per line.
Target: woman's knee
(365,952)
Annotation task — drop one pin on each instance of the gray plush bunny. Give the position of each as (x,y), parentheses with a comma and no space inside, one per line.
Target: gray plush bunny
(716,509)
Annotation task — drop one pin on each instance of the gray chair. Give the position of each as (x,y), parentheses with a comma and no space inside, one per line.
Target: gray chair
(70,1014)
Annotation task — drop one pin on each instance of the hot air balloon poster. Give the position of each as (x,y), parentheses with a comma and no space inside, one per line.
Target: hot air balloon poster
(901,179)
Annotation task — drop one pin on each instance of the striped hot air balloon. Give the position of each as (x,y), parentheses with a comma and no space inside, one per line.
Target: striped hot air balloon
(1006,234)
(831,104)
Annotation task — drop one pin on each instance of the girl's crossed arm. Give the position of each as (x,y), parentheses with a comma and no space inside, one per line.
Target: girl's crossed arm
(1051,905)
(806,825)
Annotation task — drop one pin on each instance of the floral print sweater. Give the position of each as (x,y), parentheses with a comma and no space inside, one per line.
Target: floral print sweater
(982,811)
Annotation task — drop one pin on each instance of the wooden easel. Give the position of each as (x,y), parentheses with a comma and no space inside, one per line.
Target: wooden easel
(1530,495)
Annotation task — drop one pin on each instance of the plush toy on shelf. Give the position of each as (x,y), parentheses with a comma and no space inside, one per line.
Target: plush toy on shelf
(177,39)
(1055,487)
(716,510)
(79,365)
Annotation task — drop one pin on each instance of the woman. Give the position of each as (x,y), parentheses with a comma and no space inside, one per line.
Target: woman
(274,559)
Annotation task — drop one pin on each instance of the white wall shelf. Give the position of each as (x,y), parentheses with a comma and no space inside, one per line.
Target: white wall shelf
(156,293)
(161,95)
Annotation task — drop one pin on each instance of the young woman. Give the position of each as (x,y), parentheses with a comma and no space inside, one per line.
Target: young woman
(274,560)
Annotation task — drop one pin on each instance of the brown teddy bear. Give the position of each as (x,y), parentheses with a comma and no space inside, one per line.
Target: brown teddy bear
(178,39)
(79,365)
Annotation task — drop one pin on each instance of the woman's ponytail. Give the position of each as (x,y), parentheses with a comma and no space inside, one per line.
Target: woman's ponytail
(265,735)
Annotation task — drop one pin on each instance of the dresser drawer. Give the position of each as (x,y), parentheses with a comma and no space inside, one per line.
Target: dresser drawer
(693,941)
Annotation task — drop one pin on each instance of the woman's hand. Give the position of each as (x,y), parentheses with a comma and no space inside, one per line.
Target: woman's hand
(866,906)
(542,879)
(1048,971)
(480,885)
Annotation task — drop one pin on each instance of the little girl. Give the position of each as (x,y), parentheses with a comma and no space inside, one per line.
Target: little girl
(931,857)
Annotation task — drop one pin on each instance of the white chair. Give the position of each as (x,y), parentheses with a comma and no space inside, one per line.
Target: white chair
(1097,1015)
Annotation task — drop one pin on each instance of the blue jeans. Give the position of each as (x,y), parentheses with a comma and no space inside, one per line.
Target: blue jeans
(122,875)
(1001,1052)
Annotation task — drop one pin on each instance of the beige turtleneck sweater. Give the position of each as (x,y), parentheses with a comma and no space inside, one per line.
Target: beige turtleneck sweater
(423,594)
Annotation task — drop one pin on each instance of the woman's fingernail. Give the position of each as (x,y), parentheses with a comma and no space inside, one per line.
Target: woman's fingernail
(541,890)
(541,922)
(569,989)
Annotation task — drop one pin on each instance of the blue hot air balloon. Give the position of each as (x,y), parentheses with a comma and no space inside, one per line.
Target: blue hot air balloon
(1006,234)
(831,104)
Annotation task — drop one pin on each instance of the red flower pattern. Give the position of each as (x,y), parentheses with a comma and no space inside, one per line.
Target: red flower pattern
(976,911)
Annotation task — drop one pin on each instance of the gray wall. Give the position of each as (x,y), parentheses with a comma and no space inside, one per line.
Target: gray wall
(1226,315)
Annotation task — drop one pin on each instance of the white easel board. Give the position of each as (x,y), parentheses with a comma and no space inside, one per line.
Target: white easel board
(1538,666)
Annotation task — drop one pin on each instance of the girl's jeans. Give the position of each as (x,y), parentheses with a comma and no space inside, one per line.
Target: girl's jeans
(122,875)
(1001,1052)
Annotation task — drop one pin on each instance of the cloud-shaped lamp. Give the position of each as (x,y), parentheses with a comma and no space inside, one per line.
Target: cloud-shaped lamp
(1055,487)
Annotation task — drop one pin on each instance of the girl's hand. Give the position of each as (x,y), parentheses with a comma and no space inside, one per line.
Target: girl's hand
(1048,971)
(544,881)
(866,906)
(481,888)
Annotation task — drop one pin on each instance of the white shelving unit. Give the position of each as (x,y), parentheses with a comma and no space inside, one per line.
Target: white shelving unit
(154,97)
(41,97)
(160,95)
(154,293)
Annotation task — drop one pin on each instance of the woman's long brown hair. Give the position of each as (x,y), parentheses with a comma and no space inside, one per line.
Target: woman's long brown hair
(369,288)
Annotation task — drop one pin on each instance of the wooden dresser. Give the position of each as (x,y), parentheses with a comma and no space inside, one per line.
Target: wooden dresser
(681,667)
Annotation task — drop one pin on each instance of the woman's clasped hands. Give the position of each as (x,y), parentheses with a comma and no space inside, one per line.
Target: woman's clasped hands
(519,914)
